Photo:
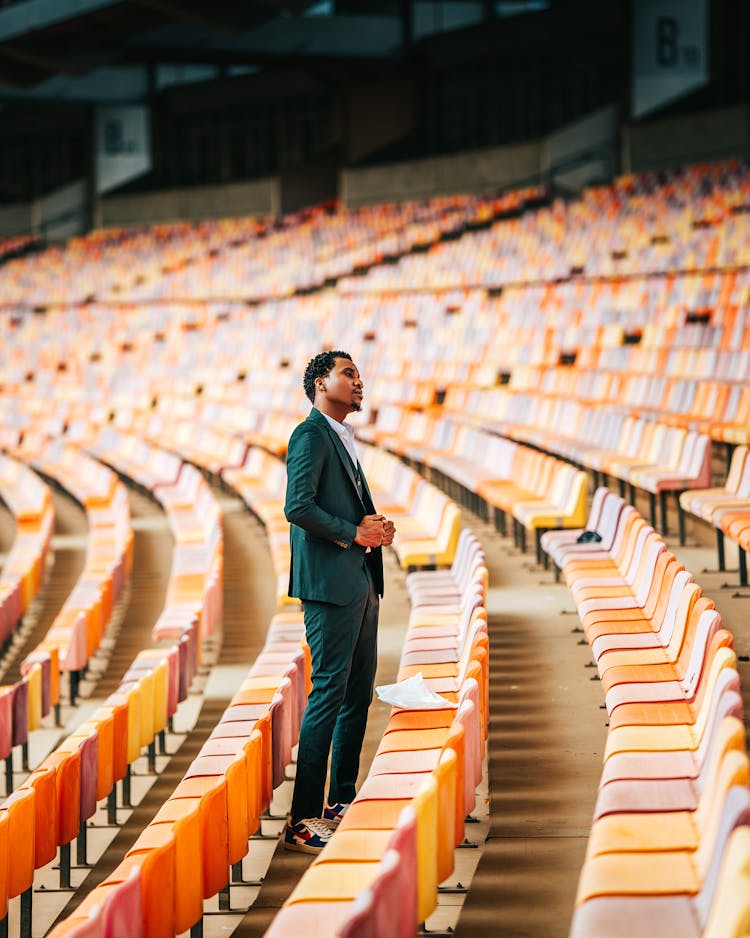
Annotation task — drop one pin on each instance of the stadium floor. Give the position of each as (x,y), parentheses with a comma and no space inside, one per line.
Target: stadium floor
(547,729)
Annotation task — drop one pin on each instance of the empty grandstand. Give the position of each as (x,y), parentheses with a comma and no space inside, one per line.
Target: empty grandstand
(529,224)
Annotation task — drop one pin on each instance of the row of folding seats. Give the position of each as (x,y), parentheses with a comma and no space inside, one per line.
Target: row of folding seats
(556,356)
(202,441)
(379,874)
(428,522)
(643,454)
(202,830)
(261,483)
(571,238)
(55,801)
(536,490)
(208,441)
(688,401)
(52,806)
(718,408)
(29,500)
(23,704)
(244,257)
(132,456)
(78,628)
(670,838)
(727,508)
(709,402)
(713,405)
(680,299)
(193,602)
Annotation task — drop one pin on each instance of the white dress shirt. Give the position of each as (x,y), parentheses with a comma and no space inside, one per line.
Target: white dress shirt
(346,435)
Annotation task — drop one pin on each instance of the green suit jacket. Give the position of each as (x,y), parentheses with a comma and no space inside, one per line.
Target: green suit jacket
(324,506)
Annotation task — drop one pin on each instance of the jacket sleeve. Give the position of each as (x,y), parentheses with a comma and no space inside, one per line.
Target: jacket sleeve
(304,464)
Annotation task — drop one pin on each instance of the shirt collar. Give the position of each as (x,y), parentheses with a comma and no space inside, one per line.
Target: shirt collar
(343,429)
(346,434)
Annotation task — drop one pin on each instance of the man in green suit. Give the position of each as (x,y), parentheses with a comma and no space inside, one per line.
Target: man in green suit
(337,573)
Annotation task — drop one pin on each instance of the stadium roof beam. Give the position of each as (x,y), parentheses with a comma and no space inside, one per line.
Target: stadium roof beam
(206,15)
(295,39)
(22,19)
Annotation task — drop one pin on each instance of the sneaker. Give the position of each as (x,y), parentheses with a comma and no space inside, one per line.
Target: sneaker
(309,835)
(332,813)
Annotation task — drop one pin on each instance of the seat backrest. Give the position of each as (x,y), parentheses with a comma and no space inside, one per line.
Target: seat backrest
(463,552)
(665,570)
(598,501)
(645,572)
(710,653)
(728,733)
(722,707)
(404,842)
(646,546)
(121,909)
(701,624)
(629,528)
(672,447)
(731,810)
(696,463)
(608,523)
(631,429)
(743,482)
(42,780)
(20,809)
(727,909)
(425,804)
(638,438)
(468,715)
(446,775)
(655,443)
(665,613)
(499,456)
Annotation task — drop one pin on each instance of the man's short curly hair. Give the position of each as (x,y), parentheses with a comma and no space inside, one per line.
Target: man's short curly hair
(320,367)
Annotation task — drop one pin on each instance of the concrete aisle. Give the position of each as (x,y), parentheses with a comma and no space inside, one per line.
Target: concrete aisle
(545,748)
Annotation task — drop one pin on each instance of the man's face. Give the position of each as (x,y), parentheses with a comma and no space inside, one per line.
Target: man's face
(343,386)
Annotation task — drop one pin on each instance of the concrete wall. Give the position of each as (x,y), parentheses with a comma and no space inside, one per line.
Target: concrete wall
(16,219)
(475,171)
(585,152)
(713,135)
(62,214)
(57,216)
(260,197)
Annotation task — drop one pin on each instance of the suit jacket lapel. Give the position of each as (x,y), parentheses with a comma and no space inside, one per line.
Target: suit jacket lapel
(341,452)
(371,506)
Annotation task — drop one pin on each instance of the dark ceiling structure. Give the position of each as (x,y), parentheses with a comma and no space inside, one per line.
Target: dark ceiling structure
(49,48)
(117,50)
(248,89)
